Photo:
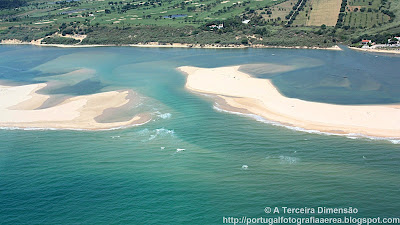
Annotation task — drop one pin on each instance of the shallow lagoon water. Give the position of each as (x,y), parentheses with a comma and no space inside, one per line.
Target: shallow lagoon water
(125,176)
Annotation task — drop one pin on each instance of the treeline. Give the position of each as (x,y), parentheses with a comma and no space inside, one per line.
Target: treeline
(59,40)
(160,34)
(236,33)
(12,4)
(390,14)
(340,19)
(296,8)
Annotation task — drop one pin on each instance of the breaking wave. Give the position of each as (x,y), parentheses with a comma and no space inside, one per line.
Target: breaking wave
(349,135)
(152,134)
(165,116)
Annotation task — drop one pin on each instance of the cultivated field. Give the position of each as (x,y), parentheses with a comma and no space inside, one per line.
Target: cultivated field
(278,12)
(324,12)
(304,14)
(365,19)
(365,13)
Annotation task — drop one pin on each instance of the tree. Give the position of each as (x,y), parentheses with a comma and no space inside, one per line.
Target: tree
(323,26)
(11,4)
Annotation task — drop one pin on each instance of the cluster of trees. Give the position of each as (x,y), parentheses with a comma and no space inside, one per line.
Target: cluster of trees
(63,4)
(121,7)
(25,33)
(363,9)
(115,3)
(390,14)
(296,8)
(380,38)
(342,14)
(343,6)
(262,31)
(75,28)
(235,25)
(59,40)
(12,4)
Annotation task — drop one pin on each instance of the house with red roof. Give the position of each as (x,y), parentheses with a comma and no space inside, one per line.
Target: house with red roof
(365,42)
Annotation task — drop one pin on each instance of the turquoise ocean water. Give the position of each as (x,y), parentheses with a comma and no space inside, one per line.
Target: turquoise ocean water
(124,177)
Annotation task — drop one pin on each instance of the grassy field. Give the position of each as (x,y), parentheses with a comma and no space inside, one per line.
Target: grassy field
(324,12)
(304,14)
(124,12)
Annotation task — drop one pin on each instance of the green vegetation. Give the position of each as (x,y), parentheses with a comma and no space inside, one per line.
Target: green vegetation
(279,22)
(268,35)
(59,40)
(365,13)
(12,4)
(25,33)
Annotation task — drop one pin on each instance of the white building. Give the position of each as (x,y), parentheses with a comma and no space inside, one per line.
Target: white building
(219,26)
(394,41)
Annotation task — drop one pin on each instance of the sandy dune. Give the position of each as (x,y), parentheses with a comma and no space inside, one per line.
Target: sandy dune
(18,108)
(241,92)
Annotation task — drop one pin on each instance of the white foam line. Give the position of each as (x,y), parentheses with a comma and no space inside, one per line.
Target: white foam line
(263,120)
(71,129)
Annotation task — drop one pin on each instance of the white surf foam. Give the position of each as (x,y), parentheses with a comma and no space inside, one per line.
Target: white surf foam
(283,159)
(155,133)
(165,115)
(288,159)
(350,135)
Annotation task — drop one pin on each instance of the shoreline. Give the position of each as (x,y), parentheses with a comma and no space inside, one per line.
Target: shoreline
(169,45)
(240,93)
(20,107)
(387,51)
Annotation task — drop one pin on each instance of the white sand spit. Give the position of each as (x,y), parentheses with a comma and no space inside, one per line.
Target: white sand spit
(241,92)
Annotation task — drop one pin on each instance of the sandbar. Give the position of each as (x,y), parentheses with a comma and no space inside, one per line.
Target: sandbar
(20,108)
(260,97)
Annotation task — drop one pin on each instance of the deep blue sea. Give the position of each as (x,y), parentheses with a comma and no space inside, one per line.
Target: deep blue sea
(124,176)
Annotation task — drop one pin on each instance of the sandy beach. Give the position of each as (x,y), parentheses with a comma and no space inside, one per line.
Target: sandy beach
(19,109)
(377,50)
(158,45)
(240,92)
